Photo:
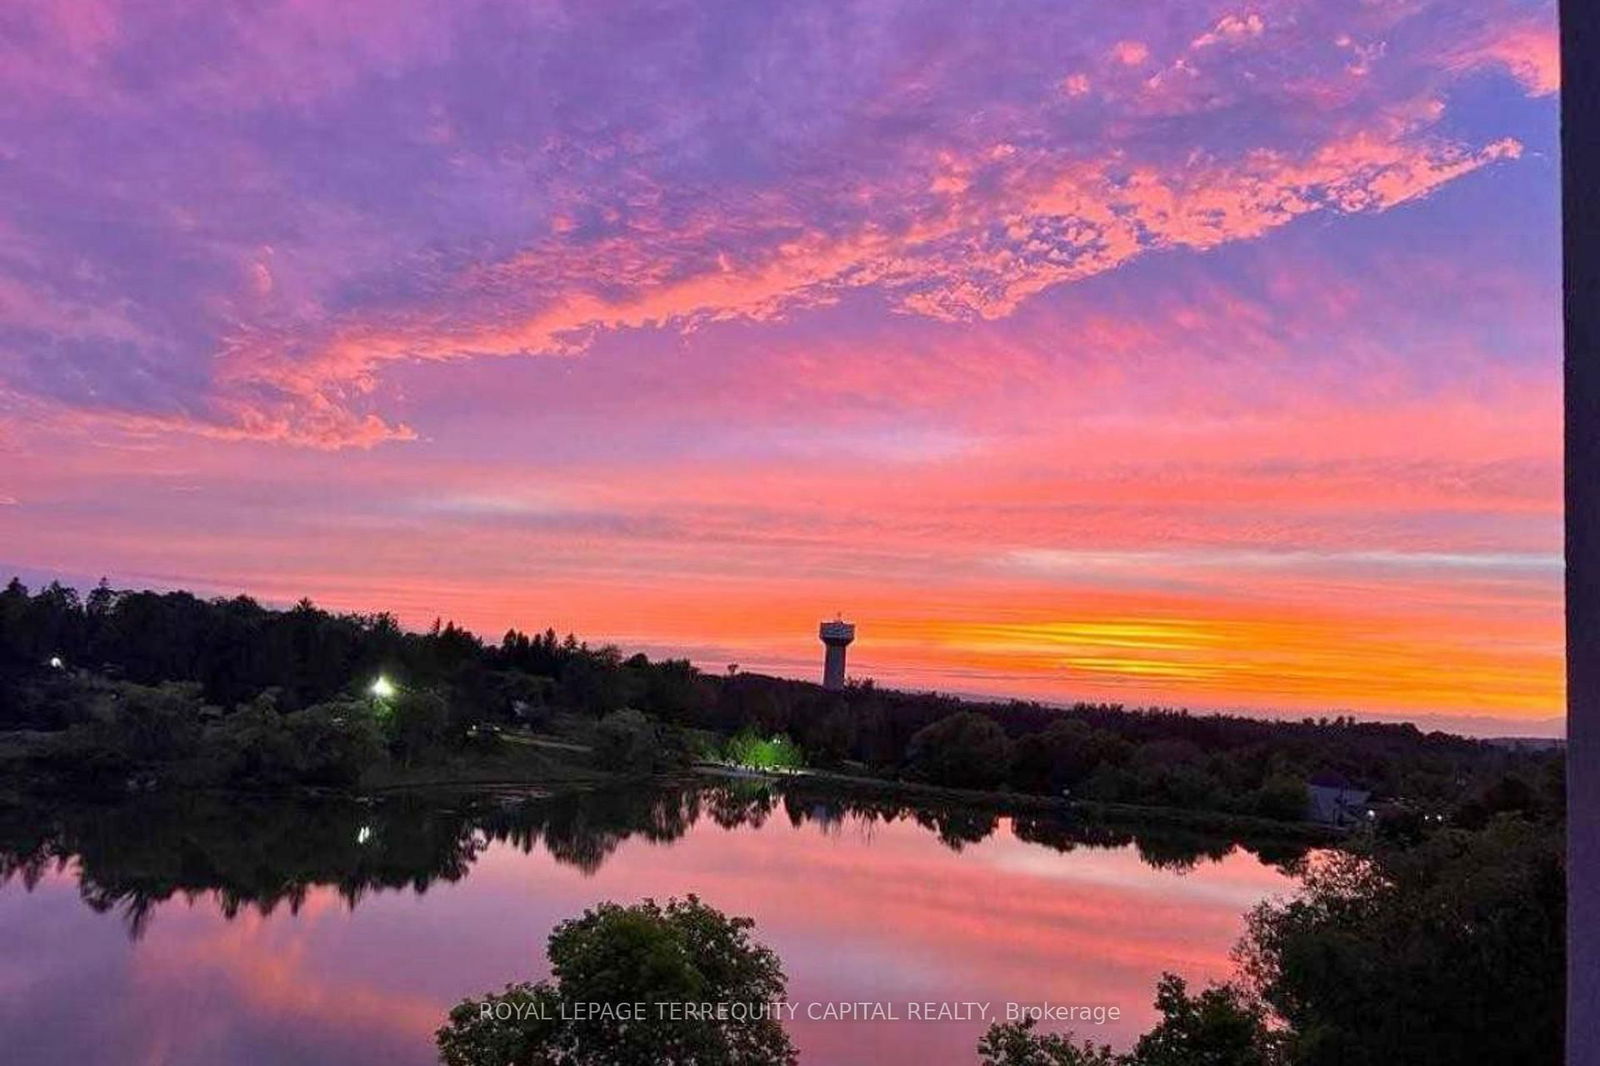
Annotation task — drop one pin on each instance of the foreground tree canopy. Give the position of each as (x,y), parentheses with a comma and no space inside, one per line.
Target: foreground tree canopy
(607,964)
(1450,951)
(1221,1026)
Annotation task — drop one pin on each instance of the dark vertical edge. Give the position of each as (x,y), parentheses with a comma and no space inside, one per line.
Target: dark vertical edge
(1580,198)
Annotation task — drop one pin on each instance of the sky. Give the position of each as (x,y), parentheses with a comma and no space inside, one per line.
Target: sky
(1183,353)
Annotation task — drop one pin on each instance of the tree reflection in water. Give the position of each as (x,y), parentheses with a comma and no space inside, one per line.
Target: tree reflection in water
(262,853)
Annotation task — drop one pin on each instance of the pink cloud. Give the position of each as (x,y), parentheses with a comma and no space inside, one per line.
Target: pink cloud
(1064,220)
(967,227)
(1232,28)
(1529,51)
(1130,53)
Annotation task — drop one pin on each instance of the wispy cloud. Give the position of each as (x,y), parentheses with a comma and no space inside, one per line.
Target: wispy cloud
(356,210)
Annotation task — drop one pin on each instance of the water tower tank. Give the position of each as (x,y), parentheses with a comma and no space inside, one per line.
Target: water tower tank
(836,635)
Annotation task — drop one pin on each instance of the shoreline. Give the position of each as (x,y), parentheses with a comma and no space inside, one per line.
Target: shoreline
(1006,802)
(556,777)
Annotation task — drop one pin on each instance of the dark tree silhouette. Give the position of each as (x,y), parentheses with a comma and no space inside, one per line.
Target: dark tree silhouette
(684,963)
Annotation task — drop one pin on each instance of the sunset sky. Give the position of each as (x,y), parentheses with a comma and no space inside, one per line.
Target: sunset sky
(1166,352)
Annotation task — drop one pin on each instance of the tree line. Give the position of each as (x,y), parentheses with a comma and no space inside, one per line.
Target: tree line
(266,697)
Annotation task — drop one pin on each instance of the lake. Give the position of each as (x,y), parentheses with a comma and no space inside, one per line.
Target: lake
(205,931)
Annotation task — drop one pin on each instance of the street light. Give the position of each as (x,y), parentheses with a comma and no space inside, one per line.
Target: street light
(382,688)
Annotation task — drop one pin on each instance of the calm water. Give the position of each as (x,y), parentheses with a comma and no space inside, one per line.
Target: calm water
(207,932)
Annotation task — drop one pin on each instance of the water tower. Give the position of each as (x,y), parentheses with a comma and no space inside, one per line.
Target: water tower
(837,635)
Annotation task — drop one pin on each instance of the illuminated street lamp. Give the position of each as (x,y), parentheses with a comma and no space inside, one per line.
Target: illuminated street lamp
(382,688)
(56,663)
